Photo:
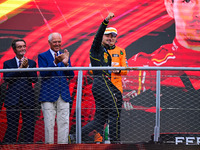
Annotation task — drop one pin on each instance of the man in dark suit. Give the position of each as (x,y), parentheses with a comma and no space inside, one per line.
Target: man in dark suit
(19,94)
(54,94)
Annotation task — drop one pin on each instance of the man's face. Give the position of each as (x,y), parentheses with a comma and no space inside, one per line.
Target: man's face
(187,19)
(109,40)
(113,40)
(55,43)
(20,49)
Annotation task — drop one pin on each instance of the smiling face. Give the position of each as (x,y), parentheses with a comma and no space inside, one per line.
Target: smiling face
(20,49)
(55,42)
(186,14)
(109,40)
(113,40)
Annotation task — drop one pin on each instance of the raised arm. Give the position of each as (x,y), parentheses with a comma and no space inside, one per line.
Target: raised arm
(99,35)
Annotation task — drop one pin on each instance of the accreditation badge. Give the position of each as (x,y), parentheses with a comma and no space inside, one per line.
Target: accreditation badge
(105,57)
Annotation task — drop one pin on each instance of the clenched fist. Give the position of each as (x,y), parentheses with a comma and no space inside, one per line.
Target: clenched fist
(110,16)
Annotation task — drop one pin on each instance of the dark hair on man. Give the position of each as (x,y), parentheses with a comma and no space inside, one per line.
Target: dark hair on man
(14,43)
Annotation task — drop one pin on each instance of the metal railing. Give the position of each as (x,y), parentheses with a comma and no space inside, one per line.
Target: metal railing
(79,88)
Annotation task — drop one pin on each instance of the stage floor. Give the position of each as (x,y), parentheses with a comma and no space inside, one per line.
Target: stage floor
(139,146)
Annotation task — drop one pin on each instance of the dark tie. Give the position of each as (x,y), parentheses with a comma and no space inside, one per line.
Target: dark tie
(20,63)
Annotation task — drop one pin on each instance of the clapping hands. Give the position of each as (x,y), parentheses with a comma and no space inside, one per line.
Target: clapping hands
(64,57)
(24,63)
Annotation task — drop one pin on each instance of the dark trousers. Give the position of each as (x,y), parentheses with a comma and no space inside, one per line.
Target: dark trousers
(28,116)
(106,109)
(119,100)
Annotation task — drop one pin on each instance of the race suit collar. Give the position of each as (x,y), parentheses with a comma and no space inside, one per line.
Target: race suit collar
(111,47)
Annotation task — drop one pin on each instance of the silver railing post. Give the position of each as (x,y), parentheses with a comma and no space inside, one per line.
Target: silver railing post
(78,107)
(157,126)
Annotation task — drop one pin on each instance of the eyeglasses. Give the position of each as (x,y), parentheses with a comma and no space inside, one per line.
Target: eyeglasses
(21,46)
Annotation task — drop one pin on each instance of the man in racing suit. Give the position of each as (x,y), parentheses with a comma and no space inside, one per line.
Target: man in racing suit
(118,56)
(179,89)
(102,88)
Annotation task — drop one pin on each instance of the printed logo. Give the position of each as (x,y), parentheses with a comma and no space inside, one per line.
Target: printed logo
(187,140)
(115,55)
(105,57)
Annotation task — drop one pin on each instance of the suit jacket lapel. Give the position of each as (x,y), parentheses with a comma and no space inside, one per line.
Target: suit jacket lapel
(14,63)
(49,55)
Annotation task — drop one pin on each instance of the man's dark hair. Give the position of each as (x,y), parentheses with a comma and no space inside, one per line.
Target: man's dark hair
(14,43)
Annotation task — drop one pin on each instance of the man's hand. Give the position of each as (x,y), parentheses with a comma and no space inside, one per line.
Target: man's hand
(24,63)
(115,64)
(110,16)
(57,59)
(127,105)
(65,57)
(62,58)
(116,71)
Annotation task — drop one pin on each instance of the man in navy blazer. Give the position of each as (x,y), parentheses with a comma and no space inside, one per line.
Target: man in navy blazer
(54,93)
(19,95)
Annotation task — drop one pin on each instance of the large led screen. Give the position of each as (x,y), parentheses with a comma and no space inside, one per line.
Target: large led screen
(161,33)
